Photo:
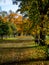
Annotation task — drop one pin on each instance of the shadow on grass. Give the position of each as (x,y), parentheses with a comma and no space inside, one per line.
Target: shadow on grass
(28,62)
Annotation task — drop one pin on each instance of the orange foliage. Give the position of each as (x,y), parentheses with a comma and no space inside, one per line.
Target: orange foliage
(17,19)
(5,19)
(0,17)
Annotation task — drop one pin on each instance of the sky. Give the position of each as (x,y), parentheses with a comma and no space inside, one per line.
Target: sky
(6,5)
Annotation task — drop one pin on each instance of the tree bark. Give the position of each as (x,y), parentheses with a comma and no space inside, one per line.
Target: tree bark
(42,31)
(36,38)
(42,37)
(1,36)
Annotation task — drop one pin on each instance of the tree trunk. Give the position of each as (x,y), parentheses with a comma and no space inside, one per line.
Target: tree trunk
(36,39)
(19,34)
(1,36)
(42,37)
(42,31)
(36,36)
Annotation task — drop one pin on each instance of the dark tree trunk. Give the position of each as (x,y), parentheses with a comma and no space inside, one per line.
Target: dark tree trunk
(42,37)
(19,34)
(36,38)
(1,36)
(14,35)
(42,31)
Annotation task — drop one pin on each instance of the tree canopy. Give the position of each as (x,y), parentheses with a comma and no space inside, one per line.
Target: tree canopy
(4,29)
(38,13)
(36,10)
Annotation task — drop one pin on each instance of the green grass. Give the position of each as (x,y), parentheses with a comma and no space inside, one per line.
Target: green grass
(17,39)
(20,39)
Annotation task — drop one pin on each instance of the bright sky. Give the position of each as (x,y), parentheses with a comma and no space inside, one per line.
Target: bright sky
(7,5)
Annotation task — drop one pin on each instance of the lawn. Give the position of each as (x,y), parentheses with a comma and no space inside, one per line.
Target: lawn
(23,54)
(25,49)
(18,39)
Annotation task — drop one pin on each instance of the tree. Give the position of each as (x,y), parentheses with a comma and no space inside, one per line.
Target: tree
(4,29)
(36,10)
(16,22)
(27,24)
(14,29)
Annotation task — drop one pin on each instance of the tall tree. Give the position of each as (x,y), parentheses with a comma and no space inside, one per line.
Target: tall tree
(4,29)
(36,10)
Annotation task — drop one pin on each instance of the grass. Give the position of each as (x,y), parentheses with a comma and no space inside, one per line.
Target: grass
(22,54)
(21,49)
(15,45)
(17,39)
(20,38)
(21,41)
(28,63)
(33,63)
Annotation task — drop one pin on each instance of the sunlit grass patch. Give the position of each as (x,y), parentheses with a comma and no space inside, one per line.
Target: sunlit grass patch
(47,40)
